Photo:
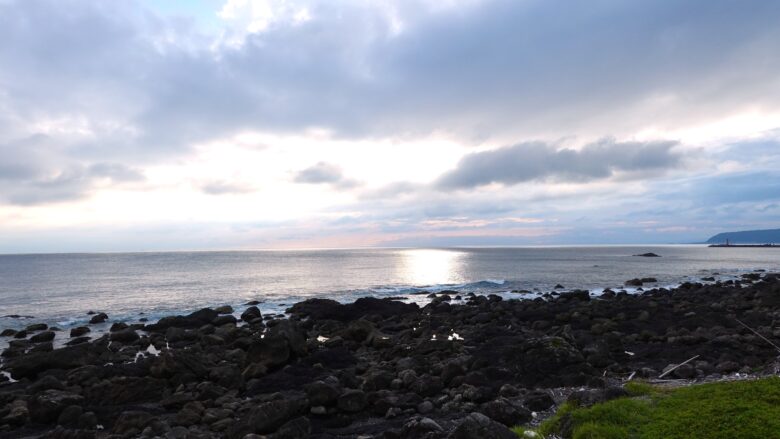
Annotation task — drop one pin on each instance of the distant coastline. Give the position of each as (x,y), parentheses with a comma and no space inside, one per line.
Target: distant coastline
(745,245)
(746,238)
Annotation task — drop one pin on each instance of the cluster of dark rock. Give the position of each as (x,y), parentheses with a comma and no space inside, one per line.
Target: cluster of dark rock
(377,368)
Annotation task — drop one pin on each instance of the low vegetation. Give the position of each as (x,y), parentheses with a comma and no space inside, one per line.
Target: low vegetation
(726,410)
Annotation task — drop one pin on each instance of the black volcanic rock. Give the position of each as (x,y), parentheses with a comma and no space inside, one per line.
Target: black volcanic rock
(195,320)
(43,337)
(380,368)
(98,318)
(330,309)
(479,426)
(79,331)
(66,358)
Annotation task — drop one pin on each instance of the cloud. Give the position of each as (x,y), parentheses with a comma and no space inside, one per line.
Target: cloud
(69,184)
(325,173)
(492,69)
(225,187)
(540,161)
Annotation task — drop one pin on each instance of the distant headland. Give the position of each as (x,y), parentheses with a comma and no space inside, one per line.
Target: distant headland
(747,238)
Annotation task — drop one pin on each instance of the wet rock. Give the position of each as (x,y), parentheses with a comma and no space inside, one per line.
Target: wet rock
(8,333)
(43,337)
(77,340)
(37,327)
(194,320)
(330,309)
(118,326)
(124,336)
(79,331)
(225,309)
(98,318)
(648,255)
(224,320)
(251,314)
(66,358)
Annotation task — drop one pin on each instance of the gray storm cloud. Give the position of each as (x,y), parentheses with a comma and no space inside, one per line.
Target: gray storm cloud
(540,161)
(494,68)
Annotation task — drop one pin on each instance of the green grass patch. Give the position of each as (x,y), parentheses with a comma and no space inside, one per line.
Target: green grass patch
(729,410)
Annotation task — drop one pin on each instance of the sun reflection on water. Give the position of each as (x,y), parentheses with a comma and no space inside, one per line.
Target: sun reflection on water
(424,267)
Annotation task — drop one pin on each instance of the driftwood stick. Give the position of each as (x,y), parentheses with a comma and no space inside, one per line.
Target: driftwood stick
(756,332)
(675,367)
(630,377)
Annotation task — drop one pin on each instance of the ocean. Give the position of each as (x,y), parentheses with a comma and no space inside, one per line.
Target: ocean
(59,289)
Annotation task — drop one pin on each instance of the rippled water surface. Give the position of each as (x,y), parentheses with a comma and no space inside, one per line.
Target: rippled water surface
(61,288)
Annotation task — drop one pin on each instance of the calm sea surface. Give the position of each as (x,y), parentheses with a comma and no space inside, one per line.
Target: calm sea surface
(61,288)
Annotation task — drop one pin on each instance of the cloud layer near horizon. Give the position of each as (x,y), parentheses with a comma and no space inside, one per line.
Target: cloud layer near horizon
(402,118)
(538,161)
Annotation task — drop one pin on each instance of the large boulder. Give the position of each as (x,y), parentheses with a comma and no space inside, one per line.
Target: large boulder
(269,416)
(326,309)
(479,426)
(279,345)
(79,331)
(131,422)
(251,314)
(538,400)
(124,336)
(298,428)
(125,390)
(505,412)
(352,401)
(98,318)
(43,337)
(195,320)
(46,406)
(321,393)
(28,366)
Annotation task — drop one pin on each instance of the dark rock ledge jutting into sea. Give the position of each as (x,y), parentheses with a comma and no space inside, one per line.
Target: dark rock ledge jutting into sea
(379,368)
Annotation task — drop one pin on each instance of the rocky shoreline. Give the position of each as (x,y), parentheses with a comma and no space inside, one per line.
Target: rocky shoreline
(379,368)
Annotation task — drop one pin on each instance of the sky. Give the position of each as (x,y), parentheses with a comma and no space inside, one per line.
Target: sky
(146,125)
